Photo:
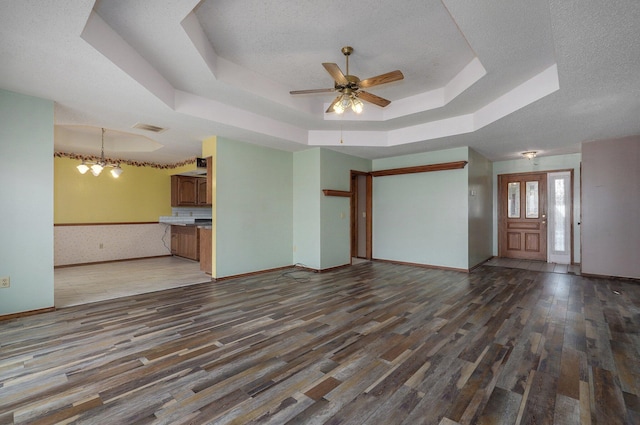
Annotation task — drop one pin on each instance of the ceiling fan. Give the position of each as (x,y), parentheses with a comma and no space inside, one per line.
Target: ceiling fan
(349,87)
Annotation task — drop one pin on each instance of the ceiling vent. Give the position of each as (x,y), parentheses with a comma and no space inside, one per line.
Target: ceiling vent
(149,127)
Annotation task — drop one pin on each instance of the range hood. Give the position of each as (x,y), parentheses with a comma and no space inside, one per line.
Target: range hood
(199,170)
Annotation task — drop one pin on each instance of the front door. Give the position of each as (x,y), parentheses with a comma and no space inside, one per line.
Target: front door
(522,216)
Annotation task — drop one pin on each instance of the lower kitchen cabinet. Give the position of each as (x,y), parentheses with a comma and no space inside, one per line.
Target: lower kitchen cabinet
(185,242)
(205,250)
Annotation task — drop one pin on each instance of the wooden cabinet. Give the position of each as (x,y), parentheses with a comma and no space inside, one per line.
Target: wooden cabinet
(185,242)
(205,250)
(210,178)
(174,241)
(201,184)
(188,191)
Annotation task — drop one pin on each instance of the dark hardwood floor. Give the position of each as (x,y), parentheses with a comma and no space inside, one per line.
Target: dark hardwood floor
(375,343)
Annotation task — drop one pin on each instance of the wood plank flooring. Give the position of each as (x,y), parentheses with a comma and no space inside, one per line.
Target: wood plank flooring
(375,343)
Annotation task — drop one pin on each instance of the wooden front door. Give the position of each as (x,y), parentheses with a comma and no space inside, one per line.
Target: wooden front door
(522,216)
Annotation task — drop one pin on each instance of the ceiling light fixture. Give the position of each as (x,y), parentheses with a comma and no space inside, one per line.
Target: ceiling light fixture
(96,167)
(529,155)
(348,100)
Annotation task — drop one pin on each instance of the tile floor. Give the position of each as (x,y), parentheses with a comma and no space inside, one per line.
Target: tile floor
(541,266)
(98,282)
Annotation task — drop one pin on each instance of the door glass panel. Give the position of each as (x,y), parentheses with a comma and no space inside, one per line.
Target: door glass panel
(560,210)
(532,200)
(559,185)
(514,200)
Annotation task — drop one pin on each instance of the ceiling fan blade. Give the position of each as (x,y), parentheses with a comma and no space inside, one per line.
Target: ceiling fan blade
(376,100)
(330,108)
(335,72)
(382,79)
(312,91)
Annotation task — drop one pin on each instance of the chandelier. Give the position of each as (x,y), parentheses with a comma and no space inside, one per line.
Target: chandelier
(96,167)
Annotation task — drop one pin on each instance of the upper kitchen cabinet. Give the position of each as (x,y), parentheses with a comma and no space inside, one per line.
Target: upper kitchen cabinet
(188,191)
(202,192)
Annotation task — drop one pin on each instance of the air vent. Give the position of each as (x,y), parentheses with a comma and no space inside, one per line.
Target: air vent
(149,127)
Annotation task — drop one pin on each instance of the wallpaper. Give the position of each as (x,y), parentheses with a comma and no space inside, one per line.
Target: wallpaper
(97,243)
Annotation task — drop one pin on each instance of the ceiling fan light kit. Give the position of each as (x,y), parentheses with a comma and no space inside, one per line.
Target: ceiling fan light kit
(96,167)
(350,87)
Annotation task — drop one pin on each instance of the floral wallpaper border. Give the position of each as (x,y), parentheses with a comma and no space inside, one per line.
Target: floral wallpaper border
(81,157)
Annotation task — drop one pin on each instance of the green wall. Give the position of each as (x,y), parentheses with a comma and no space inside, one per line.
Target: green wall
(270,211)
(322,238)
(306,208)
(480,208)
(254,208)
(26,216)
(422,218)
(335,224)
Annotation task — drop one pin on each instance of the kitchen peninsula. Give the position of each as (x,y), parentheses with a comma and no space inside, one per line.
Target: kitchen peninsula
(187,237)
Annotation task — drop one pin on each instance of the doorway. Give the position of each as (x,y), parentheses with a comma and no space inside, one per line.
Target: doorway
(535,216)
(361,219)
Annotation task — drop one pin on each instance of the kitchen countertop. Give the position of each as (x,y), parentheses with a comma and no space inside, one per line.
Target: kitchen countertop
(187,221)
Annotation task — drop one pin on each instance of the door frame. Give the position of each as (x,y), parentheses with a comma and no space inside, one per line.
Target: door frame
(354,214)
(571,207)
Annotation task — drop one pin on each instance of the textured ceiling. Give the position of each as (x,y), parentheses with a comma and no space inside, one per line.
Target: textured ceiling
(499,76)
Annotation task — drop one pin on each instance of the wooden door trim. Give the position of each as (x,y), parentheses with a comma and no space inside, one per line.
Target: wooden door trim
(353,216)
(369,221)
(368,212)
(456,165)
(340,193)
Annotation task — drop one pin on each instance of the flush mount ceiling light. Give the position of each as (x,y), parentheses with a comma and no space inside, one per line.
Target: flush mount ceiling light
(96,167)
(529,155)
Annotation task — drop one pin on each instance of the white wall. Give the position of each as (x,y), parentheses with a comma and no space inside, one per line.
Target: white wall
(611,207)
(422,218)
(26,199)
(545,163)
(480,208)
(254,208)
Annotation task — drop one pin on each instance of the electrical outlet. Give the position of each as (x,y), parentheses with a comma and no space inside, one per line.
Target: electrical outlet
(101,245)
(5,282)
